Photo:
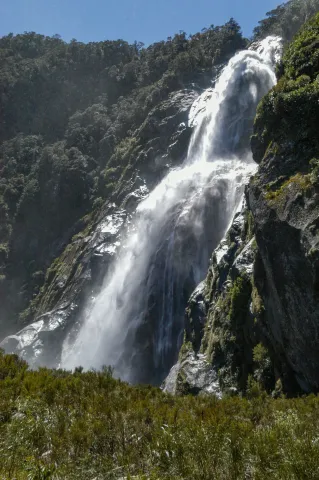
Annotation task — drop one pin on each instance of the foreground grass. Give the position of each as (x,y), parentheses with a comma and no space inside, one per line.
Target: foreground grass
(59,425)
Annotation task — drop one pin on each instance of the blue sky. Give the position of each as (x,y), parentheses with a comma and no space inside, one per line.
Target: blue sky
(142,20)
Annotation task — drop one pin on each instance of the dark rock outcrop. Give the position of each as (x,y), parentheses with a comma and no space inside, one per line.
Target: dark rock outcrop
(284,200)
(220,321)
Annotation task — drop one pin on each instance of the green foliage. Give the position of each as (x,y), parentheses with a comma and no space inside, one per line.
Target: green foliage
(289,113)
(300,182)
(56,424)
(286,19)
(314,174)
(260,354)
(186,348)
(228,333)
(257,305)
(239,294)
(248,226)
(302,56)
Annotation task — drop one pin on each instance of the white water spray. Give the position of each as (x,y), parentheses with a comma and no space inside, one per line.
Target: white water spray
(136,322)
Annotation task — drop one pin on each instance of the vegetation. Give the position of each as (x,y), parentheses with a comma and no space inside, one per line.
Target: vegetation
(68,122)
(286,19)
(288,115)
(56,424)
(298,182)
(69,115)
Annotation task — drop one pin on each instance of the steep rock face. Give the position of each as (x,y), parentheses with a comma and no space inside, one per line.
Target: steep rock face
(72,278)
(283,198)
(222,332)
(165,133)
(286,229)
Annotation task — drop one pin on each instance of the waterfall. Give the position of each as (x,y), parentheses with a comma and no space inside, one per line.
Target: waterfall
(136,322)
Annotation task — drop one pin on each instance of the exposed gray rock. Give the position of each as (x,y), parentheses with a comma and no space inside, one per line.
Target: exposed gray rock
(213,339)
(76,278)
(164,119)
(40,342)
(195,317)
(287,234)
(165,135)
(194,374)
(244,263)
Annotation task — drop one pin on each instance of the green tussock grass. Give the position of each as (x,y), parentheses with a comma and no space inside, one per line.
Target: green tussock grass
(87,425)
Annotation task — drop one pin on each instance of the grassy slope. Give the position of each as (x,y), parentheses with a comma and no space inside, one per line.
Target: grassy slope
(55,424)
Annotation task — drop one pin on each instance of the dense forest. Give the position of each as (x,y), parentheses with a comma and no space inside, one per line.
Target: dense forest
(286,19)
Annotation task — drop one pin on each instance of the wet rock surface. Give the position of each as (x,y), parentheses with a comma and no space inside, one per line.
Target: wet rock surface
(74,278)
(284,201)
(286,228)
(216,355)
(192,375)
(262,297)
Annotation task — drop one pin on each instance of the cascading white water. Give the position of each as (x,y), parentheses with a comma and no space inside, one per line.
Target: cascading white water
(136,322)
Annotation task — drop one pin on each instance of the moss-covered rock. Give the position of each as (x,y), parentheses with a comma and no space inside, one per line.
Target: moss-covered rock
(288,116)
(284,200)
(223,322)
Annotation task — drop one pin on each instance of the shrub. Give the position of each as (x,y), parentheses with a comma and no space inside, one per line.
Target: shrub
(56,424)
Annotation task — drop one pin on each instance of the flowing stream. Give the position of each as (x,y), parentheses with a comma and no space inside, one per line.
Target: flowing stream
(136,322)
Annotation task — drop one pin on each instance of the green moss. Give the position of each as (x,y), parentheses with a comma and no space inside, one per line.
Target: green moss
(122,154)
(257,303)
(239,296)
(298,182)
(260,353)
(290,112)
(186,348)
(89,221)
(314,173)
(226,338)
(301,57)
(263,368)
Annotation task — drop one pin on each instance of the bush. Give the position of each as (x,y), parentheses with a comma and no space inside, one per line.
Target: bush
(58,424)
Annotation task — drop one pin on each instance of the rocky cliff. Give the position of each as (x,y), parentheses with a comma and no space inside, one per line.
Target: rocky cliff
(256,316)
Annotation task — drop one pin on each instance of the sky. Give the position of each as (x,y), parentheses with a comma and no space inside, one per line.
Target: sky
(147,21)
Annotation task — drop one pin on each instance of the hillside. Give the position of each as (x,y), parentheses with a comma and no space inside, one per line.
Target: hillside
(58,425)
(77,129)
